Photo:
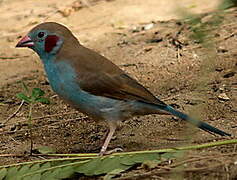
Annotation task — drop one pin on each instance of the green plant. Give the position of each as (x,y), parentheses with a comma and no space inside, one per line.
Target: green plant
(226,4)
(93,165)
(31,98)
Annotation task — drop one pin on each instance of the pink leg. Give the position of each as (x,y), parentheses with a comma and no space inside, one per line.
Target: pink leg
(112,128)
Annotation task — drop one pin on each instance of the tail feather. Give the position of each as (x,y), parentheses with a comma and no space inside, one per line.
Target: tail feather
(202,125)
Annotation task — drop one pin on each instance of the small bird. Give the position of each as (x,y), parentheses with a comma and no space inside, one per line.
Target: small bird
(93,84)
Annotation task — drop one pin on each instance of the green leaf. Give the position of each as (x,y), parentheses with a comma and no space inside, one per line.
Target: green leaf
(3,173)
(110,163)
(46,165)
(22,96)
(139,158)
(23,170)
(169,155)
(65,172)
(55,173)
(129,160)
(43,100)
(46,150)
(149,164)
(37,92)
(112,174)
(226,4)
(11,173)
(33,177)
(49,175)
(35,167)
(101,165)
(25,87)
(89,167)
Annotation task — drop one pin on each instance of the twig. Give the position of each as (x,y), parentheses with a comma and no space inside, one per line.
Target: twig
(43,117)
(54,115)
(166,170)
(81,155)
(14,140)
(138,176)
(22,130)
(14,114)
(171,97)
(30,125)
(230,24)
(202,158)
(12,57)
(192,169)
(12,155)
(227,37)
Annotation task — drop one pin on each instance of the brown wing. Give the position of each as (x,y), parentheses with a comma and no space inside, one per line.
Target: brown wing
(101,77)
(118,87)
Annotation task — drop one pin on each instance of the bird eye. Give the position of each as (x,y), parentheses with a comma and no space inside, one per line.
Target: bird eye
(40,34)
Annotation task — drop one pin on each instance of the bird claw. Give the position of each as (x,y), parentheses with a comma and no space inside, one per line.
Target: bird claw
(102,153)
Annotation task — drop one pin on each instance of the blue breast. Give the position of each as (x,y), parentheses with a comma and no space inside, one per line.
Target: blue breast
(64,81)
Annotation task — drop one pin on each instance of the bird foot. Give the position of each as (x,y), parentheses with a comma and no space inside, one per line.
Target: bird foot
(102,153)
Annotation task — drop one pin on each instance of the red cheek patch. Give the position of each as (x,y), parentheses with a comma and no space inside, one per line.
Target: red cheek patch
(50,42)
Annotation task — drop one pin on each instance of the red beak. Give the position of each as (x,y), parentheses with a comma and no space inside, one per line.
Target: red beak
(25,42)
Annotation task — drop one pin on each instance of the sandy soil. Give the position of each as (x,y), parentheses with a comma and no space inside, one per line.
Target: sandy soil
(163,58)
(88,24)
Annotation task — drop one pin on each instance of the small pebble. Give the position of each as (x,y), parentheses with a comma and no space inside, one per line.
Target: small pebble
(219,69)
(229,74)
(223,97)
(149,48)
(148,26)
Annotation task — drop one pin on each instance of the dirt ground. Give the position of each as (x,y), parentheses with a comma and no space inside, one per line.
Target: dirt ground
(141,38)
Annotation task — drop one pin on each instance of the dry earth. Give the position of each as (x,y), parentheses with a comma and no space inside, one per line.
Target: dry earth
(139,37)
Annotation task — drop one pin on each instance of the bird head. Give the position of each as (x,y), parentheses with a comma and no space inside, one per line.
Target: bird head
(47,38)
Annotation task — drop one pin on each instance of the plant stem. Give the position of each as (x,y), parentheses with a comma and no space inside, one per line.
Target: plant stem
(30,127)
(184,148)
(83,158)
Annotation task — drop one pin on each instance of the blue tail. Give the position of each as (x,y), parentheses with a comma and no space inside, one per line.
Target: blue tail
(202,125)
